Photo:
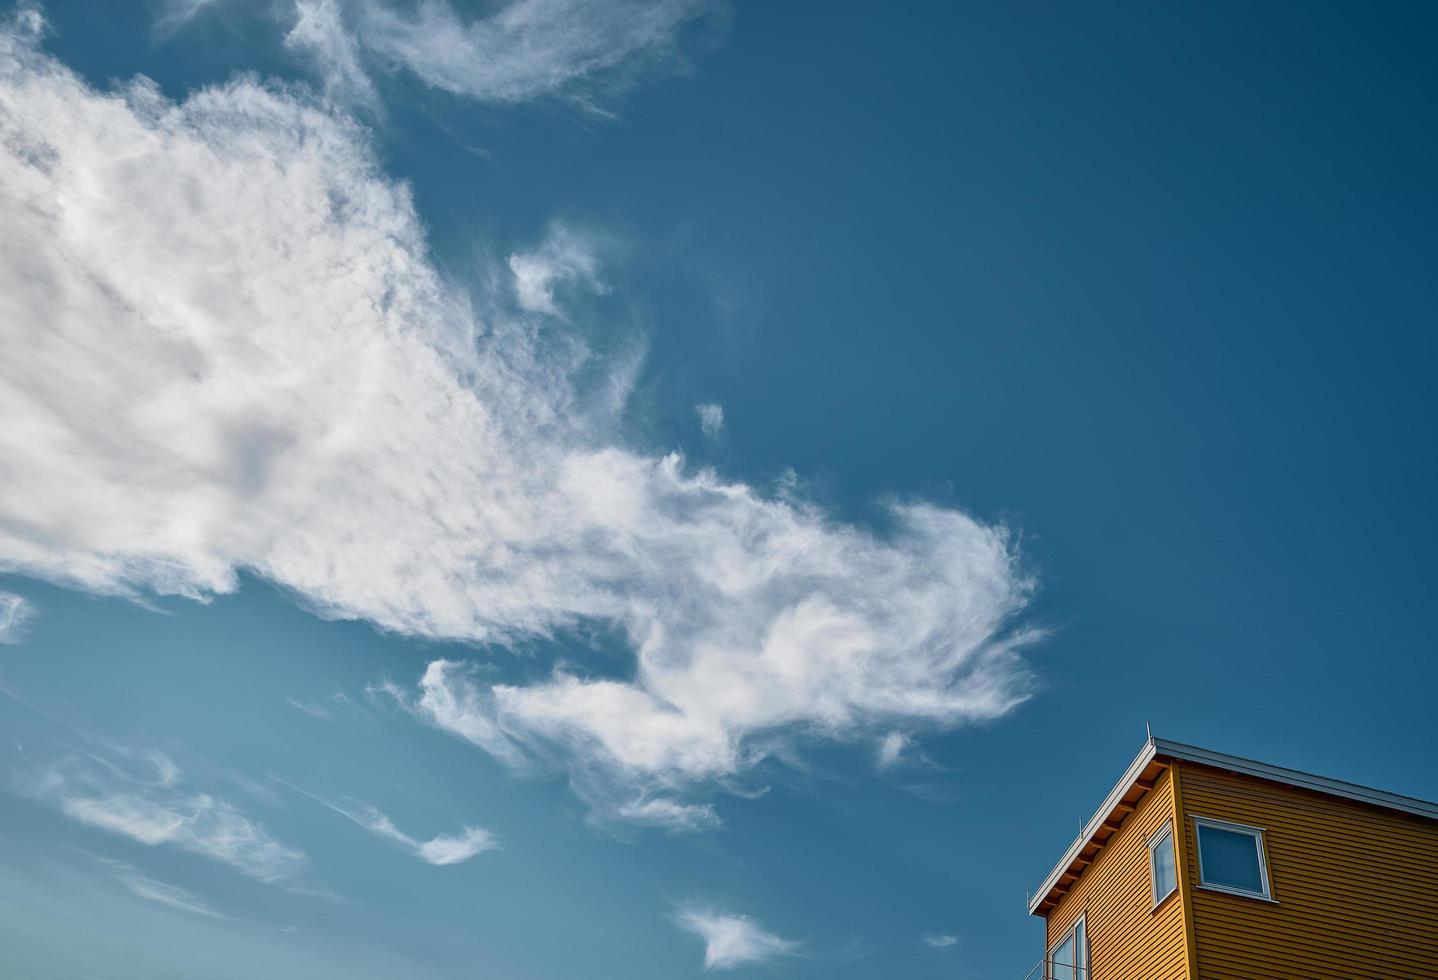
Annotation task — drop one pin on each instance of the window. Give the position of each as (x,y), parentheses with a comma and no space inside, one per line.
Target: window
(1069,959)
(1230,858)
(1161,862)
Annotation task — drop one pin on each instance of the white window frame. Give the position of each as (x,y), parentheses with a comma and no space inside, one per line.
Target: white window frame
(1080,967)
(1153,844)
(1266,894)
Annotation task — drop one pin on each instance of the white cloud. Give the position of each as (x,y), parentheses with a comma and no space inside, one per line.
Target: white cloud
(439,850)
(101,794)
(585,51)
(711,419)
(891,749)
(227,349)
(732,940)
(564,259)
(173,15)
(318,711)
(171,895)
(669,814)
(581,49)
(939,940)
(16,614)
(460,847)
(319,31)
(324,710)
(154,890)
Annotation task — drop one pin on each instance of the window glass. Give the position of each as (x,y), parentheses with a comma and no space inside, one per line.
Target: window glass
(1165,875)
(1069,959)
(1230,858)
(1062,967)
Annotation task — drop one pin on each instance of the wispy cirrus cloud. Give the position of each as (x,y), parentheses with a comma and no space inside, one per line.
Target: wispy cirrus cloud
(229,349)
(317,711)
(155,811)
(583,50)
(939,940)
(711,419)
(891,749)
(564,259)
(321,33)
(667,813)
(732,940)
(161,892)
(441,849)
(16,615)
(322,710)
(172,15)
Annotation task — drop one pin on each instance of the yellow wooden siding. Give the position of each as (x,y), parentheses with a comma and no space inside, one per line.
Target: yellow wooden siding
(1127,937)
(1354,886)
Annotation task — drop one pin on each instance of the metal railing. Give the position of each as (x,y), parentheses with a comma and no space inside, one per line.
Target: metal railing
(1054,970)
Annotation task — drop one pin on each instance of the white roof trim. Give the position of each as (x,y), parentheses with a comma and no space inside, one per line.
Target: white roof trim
(1156,747)
(1119,791)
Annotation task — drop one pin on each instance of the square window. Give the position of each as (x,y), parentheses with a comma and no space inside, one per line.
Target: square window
(1230,858)
(1161,863)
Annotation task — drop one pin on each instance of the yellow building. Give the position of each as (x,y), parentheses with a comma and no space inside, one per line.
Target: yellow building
(1204,865)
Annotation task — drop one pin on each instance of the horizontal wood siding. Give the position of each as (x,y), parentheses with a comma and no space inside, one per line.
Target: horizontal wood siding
(1128,937)
(1354,886)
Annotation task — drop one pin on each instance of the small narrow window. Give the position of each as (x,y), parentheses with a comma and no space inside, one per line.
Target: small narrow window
(1068,960)
(1161,862)
(1230,858)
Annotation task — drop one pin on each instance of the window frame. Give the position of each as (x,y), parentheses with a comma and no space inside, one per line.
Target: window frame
(1154,842)
(1260,845)
(1080,966)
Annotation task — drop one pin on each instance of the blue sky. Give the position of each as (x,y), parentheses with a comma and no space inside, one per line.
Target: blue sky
(652,489)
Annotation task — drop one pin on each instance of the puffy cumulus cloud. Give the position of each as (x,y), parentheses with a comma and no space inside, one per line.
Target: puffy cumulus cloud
(227,349)
(105,794)
(732,940)
(16,614)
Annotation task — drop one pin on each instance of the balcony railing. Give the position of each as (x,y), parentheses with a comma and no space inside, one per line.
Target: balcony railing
(1056,970)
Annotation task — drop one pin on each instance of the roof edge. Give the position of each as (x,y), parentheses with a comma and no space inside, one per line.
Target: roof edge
(1297,778)
(1162,748)
(1139,764)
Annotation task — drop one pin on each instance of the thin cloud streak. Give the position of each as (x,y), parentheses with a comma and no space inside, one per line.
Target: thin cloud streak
(152,889)
(101,794)
(668,814)
(443,849)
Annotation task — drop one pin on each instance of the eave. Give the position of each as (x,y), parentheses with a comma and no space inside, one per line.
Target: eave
(1139,778)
